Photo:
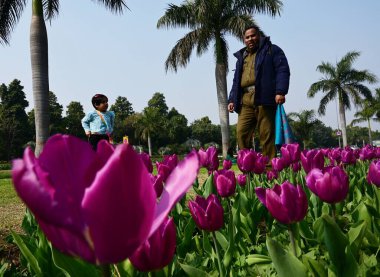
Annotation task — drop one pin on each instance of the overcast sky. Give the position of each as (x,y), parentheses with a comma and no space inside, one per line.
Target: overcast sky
(94,51)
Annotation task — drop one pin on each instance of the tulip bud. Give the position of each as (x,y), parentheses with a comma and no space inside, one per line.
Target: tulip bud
(227,164)
(260,163)
(290,153)
(147,161)
(225,182)
(286,203)
(374,173)
(242,180)
(272,174)
(246,160)
(158,251)
(278,164)
(330,185)
(207,213)
(312,159)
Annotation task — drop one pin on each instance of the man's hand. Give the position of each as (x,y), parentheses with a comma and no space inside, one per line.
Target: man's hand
(88,134)
(280,99)
(230,107)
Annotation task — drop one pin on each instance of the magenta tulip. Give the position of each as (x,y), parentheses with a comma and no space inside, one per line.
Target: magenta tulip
(207,213)
(296,167)
(246,160)
(330,185)
(242,180)
(227,164)
(373,176)
(290,153)
(167,165)
(272,174)
(260,163)
(225,182)
(348,156)
(335,156)
(312,159)
(209,158)
(147,161)
(278,164)
(158,251)
(100,206)
(367,153)
(286,203)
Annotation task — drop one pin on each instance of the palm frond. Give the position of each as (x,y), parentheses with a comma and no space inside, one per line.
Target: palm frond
(10,13)
(271,7)
(51,8)
(204,39)
(178,16)
(325,100)
(348,59)
(115,6)
(180,54)
(236,24)
(221,51)
(327,69)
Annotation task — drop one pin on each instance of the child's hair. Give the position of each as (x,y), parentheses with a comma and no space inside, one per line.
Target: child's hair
(98,99)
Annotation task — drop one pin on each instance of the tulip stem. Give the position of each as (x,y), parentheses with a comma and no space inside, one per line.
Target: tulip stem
(221,272)
(333,211)
(106,270)
(292,240)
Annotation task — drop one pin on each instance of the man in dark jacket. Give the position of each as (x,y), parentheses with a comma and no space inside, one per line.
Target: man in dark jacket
(261,81)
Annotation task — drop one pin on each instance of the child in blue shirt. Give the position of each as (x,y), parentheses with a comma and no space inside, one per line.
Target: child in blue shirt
(98,124)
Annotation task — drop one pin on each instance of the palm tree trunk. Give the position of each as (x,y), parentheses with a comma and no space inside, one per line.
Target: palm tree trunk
(369,132)
(149,145)
(40,74)
(221,90)
(342,116)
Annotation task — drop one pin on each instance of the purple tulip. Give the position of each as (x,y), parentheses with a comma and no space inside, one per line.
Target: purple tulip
(207,213)
(312,159)
(330,185)
(367,153)
(335,155)
(167,165)
(147,161)
(296,167)
(225,182)
(287,203)
(246,160)
(272,174)
(100,206)
(209,158)
(374,173)
(278,164)
(158,251)
(325,152)
(290,153)
(348,156)
(260,164)
(227,164)
(242,180)
(158,184)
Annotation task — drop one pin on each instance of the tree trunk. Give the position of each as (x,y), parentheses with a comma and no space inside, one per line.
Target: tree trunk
(342,116)
(369,132)
(221,90)
(149,145)
(40,74)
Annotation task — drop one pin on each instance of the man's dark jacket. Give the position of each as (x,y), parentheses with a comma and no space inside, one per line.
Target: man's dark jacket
(271,75)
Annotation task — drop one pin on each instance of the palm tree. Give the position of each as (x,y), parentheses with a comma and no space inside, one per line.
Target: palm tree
(344,83)
(10,13)
(210,21)
(303,124)
(370,108)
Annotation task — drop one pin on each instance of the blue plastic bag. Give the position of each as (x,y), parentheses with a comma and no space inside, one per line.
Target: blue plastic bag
(283,132)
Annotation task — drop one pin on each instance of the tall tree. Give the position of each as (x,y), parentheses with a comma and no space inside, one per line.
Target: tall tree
(55,115)
(10,13)
(210,21)
(203,130)
(123,109)
(177,128)
(365,114)
(14,127)
(74,115)
(344,83)
(303,124)
(158,101)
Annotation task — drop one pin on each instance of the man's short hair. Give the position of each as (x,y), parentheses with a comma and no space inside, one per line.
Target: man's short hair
(97,99)
(253,26)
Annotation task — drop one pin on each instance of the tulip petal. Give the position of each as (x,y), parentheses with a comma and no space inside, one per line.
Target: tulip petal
(119,206)
(176,186)
(261,194)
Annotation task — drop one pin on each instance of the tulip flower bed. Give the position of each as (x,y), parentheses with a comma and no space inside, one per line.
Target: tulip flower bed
(315,213)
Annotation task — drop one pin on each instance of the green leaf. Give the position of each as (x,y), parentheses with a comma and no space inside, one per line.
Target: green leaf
(126,268)
(315,267)
(206,243)
(286,263)
(257,259)
(72,266)
(339,249)
(356,235)
(32,261)
(193,272)
(221,240)
(208,186)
